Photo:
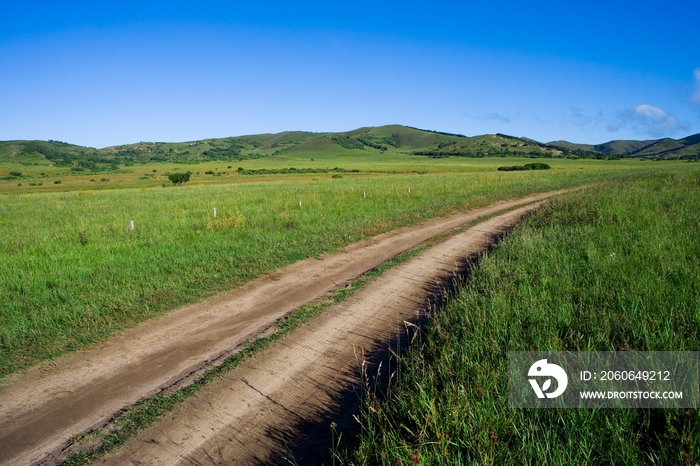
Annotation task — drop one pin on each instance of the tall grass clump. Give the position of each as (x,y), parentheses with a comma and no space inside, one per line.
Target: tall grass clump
(615,267)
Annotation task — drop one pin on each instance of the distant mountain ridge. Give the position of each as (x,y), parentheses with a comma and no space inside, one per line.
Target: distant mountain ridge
(688,147)
(362,141)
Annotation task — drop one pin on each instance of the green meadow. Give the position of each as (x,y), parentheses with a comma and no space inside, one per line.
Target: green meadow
(614,267)
(73,272)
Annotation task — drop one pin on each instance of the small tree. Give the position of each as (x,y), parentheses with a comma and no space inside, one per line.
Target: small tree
(179,178)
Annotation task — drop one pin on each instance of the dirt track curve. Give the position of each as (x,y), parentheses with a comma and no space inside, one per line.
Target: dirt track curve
(261,410)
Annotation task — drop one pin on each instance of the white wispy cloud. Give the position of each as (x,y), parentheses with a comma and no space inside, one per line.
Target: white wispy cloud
(647,120)
(586,121)
(695,98)
(497,117)
(494,117)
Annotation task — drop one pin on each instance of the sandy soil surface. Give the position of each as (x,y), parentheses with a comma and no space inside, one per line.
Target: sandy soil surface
(260,407)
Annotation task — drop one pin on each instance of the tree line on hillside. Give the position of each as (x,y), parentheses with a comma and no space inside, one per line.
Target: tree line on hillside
(80,159)
(498,152)
(360,143)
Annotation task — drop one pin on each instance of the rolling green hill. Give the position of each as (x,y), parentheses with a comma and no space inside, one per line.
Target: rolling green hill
(572,146)
(622,147)
(393,138)
(362,141)
(42,152)
(666,148)
(491,145)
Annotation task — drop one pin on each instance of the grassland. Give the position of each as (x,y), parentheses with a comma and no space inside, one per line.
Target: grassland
(612,267)
(40,178)
(72,272)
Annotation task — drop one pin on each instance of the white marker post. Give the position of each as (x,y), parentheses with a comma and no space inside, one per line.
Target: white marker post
(213,212)
(299,203)
(131,224)
(364,195)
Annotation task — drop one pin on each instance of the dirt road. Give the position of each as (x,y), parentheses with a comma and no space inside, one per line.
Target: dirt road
(289,386)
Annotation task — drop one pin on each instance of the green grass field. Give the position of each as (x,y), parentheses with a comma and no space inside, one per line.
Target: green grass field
(43,178)
(612,267)
(73,273)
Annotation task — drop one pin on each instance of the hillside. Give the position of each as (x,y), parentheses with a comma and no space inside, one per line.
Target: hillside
(394,138)
(43,152)
(492,145)
(361,141)
(688,147)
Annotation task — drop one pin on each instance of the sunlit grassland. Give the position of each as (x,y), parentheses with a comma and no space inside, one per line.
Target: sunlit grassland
(615,267)
(44,178)
(72,272)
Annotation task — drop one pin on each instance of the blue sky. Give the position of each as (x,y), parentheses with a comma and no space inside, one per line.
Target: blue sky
(101,73)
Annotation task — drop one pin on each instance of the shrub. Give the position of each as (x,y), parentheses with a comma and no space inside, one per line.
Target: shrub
(179,178)
(15,173)
(537,166)
(57,182)
(527,166)
(337,176)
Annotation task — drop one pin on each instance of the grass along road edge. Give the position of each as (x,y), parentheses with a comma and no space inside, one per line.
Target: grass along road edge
(613,267)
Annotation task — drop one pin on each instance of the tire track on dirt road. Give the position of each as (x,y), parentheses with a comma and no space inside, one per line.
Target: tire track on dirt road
(42,409)
(279,405)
